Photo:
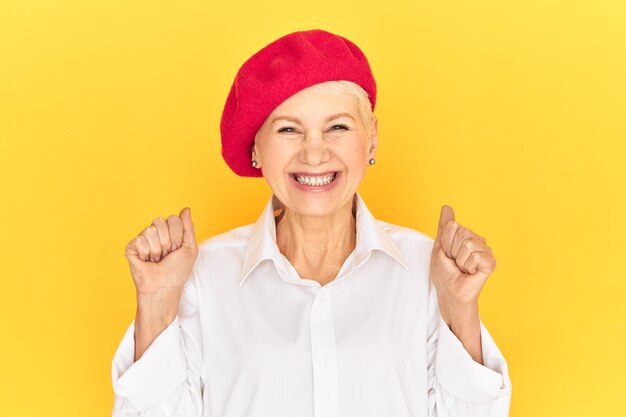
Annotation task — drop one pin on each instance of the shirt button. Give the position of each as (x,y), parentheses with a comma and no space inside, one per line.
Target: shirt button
(324,360)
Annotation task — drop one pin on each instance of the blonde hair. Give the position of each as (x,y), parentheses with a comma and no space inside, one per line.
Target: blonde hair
(344,88)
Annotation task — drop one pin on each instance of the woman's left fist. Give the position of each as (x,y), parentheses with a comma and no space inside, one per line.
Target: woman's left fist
(460,262)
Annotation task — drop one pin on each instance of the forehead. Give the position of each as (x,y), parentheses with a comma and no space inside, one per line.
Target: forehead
(314,103)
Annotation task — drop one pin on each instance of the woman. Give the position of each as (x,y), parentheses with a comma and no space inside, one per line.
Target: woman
(317,309)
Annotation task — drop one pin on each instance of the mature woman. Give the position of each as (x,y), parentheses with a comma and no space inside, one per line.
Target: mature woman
(317,309)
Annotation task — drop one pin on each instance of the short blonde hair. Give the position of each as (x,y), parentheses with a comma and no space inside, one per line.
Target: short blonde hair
(343,88)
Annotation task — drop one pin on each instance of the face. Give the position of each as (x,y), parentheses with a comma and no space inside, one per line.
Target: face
(313,150)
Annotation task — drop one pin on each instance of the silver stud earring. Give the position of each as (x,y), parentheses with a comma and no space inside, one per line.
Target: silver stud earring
(372,161)
(254,163)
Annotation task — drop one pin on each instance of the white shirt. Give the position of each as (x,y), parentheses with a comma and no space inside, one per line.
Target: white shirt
(254,339)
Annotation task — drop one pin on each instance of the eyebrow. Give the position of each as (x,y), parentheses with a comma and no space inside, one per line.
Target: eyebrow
(295,119)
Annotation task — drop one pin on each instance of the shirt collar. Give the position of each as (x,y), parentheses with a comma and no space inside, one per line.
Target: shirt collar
(370,235)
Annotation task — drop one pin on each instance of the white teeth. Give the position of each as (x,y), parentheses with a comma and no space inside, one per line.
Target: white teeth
(315,181)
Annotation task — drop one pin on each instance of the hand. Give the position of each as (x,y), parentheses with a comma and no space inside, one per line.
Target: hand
(460,263)
(162,255)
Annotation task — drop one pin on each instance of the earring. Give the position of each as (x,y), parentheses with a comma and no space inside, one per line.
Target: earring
(372,161)
(254,163)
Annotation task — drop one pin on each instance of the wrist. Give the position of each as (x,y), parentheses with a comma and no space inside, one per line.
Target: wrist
(458,313)
(159,309)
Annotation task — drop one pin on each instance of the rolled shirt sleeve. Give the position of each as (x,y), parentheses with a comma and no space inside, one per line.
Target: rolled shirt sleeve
(463,377)
(161,369)
(458,385)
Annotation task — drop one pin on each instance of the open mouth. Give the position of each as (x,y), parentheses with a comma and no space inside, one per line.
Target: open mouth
(315,181)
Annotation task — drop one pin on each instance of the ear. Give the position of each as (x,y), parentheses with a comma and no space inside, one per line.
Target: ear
(373,137)
(255,154)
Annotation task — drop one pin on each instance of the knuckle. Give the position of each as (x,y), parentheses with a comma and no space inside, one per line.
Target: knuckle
(467,246)
(143,252)
(141,244)
(172,217)
(158,220)
(163,235)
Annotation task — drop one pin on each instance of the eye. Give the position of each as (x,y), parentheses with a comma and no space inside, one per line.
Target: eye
(340,126)
(283,129)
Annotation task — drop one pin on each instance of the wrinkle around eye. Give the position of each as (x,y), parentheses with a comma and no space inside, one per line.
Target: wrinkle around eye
(282,130)
(291,130)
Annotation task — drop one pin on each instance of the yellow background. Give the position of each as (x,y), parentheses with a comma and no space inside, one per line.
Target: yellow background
(512,112)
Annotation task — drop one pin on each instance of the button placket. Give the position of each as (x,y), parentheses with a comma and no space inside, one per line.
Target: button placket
(323,349)
(324,360)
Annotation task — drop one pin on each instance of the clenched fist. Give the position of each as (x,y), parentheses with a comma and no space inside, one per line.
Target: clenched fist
(161,257)
(460,263)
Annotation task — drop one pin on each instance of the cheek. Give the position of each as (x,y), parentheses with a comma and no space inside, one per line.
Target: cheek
(355,154)
(275,160)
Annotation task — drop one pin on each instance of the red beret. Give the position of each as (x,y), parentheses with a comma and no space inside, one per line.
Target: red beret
(275,73)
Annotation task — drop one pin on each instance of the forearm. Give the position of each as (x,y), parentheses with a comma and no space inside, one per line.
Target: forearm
(464,322)
(154,313)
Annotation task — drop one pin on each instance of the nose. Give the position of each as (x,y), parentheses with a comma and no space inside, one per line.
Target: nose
(314,149)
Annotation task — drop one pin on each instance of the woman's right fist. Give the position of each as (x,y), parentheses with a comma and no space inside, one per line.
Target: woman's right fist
(161,257)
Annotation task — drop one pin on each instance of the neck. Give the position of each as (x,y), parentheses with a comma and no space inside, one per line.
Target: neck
(317,246)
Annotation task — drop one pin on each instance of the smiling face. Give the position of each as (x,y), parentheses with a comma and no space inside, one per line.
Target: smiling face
(314,149)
